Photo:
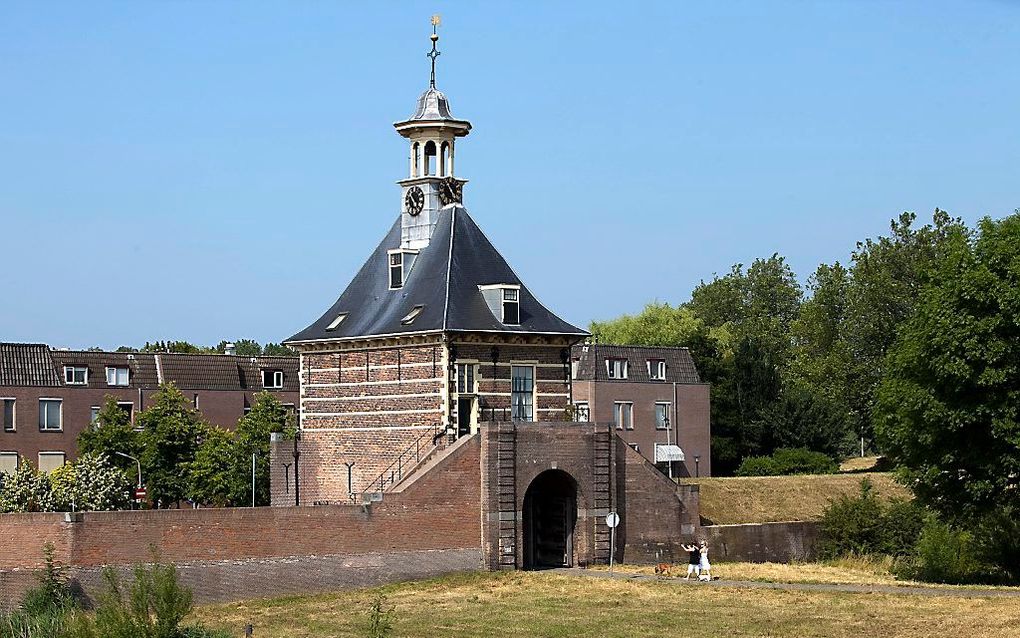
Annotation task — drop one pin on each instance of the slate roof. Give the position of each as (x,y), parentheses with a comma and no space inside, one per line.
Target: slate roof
(445,279)
(592,358)
(27,364)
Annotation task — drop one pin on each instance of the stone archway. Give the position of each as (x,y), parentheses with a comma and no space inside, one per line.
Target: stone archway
(550,519)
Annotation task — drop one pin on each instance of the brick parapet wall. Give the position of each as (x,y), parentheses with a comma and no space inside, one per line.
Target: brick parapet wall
(782,542)
(436,513)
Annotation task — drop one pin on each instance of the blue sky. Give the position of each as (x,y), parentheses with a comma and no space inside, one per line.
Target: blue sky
(207,170)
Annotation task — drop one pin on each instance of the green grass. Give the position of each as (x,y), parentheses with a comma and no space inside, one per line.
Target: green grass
(763,499)
(542,604)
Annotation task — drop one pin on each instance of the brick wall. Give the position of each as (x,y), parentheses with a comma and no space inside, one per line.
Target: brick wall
(763,542)
(437,513)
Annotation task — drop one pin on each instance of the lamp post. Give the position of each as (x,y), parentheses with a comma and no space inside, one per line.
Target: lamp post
(128,456)
(697,470)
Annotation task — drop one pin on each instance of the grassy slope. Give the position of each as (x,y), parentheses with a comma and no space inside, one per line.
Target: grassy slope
(537,604)
(761,499)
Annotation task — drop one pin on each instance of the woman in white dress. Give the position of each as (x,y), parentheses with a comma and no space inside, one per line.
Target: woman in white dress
(706,567)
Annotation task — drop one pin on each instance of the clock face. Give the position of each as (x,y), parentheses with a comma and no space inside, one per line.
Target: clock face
(450,191)
(414,200)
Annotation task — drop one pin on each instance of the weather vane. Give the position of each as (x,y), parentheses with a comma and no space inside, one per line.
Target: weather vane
(434,53)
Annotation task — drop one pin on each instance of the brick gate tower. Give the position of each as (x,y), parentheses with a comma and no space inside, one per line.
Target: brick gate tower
(434,335)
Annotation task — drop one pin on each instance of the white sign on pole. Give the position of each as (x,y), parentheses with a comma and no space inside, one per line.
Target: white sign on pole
(612,520)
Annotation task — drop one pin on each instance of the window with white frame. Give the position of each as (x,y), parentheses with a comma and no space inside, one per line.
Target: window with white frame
(662,416)
(50,415)
(657,369)
(582,414)
(623,415)
(409,318)
(522,395)
(118,375)
(94,415)
(333,325)
(128,408)
(272,379)
(49,461)
(465,378)
(8,462)
(76,375)
(396,270)
(575,364)
(512,306)
(9,416)
(616,368)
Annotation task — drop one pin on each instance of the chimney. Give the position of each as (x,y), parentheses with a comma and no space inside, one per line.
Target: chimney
(230,349)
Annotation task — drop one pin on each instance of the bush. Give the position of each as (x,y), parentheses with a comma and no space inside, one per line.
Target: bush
(867,524)
(944,555)
(786,461)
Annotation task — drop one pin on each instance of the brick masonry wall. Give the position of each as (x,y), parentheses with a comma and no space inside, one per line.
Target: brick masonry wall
(763,542)
(552,384)
(406,535)
(656,514)
(218,407)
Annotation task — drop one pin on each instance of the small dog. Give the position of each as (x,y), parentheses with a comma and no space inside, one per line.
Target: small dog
(664,569)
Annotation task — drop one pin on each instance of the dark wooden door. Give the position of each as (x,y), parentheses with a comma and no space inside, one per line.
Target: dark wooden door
(465,406)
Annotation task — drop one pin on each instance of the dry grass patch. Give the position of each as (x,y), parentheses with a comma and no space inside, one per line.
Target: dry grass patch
(859,463)
(763,499)
(537,604)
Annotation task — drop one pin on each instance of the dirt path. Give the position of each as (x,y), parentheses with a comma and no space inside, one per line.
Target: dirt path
(752,584)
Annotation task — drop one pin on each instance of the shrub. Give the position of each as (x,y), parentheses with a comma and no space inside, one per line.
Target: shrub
(52,596)
(788,461)
(944,555)
(867,524)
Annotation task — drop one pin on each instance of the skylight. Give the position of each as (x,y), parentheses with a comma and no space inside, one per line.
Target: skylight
(411,316)
(336,322)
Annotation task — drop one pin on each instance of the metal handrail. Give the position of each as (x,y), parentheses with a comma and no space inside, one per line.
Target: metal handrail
(394,472)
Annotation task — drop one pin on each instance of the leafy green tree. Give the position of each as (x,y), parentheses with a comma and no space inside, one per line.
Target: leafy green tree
(801,418)
(211,475)
(278,350)
(27,490)
(948,407)
(92,484)
(171,433)
(887,277)
(242,347)
(252,437)
(112,432)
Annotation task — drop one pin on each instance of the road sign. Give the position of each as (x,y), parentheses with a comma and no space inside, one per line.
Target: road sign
(612,519)
(140,493)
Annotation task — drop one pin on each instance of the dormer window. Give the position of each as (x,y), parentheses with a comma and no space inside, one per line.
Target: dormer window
(117,376)
(333,325)
(616,368)
(511,306)
(400,262)
(657,369)
(272,379)
(411,316)
(76,375)
(396,270)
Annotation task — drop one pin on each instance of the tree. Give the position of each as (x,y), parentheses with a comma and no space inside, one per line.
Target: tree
(211,475)
(252,437)
(242,347)
(278,350)
(91,483)
(27,490)
(171,433)
(887,277)
(801,418)
(112,432)
(947,408)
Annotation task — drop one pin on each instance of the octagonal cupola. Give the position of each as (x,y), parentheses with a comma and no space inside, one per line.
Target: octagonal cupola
(430,184)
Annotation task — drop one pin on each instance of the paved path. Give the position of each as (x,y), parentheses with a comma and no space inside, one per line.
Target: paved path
(752,584)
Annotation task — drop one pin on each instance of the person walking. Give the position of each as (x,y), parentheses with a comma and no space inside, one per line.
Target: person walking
(693,560)
(705,573)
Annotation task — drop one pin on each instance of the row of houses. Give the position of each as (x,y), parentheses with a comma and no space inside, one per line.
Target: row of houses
(654,396)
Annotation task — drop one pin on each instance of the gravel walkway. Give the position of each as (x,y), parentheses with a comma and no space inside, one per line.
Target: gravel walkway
(751,584)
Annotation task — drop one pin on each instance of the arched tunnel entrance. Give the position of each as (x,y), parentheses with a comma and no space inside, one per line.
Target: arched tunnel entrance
(550,515)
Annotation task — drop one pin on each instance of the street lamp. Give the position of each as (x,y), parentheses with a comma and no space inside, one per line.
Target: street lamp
(697,470)
(128,456)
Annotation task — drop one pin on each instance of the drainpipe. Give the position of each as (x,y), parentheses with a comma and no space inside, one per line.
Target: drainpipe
(675,424)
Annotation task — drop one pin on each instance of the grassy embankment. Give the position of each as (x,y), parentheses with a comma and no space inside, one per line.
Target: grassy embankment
(543,604)
(762,499)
